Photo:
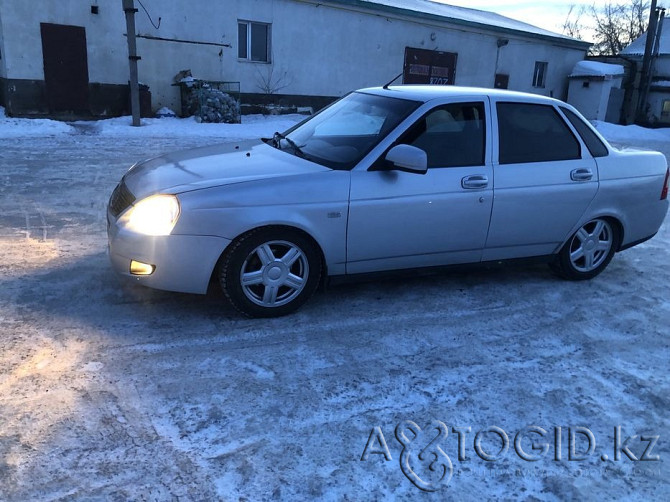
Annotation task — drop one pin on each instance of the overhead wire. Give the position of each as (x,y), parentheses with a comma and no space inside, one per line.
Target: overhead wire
(149,16)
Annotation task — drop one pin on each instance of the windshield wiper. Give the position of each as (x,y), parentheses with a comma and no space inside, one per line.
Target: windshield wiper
(276,140)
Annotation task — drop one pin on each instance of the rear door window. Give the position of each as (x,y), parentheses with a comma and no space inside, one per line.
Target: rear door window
(534,133)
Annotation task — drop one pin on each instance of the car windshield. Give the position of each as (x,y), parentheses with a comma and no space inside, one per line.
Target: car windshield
(339,136)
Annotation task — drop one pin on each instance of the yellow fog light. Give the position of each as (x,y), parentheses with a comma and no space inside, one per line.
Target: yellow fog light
(139,268)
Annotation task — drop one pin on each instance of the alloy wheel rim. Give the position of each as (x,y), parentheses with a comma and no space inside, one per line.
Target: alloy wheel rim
(591,245)
(274,273)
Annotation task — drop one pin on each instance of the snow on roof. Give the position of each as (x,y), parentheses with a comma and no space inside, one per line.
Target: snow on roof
(596,69)
(637,47)
(463,14)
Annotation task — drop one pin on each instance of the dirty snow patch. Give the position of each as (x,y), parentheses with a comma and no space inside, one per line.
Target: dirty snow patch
(22,128)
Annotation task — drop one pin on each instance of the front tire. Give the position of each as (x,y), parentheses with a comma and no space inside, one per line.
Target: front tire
(588,251)
(270,272)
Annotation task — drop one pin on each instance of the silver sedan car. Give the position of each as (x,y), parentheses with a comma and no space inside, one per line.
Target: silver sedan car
(384,179)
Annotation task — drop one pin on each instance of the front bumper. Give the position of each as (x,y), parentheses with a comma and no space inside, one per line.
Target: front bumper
(183,263)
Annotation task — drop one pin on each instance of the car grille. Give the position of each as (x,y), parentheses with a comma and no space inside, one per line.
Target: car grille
(120,200)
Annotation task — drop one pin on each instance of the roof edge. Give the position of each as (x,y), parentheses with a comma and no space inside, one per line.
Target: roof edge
(371,6)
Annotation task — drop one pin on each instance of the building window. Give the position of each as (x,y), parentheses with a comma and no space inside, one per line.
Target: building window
(665,111)
(253,41)
(540,73)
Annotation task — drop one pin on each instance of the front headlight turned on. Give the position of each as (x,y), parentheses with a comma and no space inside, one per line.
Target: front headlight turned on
(155,215)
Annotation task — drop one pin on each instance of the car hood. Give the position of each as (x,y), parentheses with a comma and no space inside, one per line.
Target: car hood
(214,166)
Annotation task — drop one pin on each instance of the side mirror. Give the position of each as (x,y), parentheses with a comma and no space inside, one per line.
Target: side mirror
(408,158)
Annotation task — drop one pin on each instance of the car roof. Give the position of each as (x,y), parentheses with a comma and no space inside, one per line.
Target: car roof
(427,93)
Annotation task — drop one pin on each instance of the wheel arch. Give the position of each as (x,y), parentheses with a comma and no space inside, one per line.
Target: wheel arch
(616,222)
(215,271)
(581,257)
(612,218)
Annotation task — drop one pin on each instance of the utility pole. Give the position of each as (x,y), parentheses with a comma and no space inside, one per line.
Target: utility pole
(646,62)
(660,15)
(130,10)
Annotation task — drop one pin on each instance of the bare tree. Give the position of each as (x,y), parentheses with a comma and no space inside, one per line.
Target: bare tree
(269,83)
(572,26)
(612,26)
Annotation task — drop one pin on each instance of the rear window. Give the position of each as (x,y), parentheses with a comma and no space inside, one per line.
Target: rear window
(534,133)
(591,140)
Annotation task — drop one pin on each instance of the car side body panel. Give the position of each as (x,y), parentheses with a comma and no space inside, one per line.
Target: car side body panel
(535,206)
(630,187)
(402,220)
(316,203)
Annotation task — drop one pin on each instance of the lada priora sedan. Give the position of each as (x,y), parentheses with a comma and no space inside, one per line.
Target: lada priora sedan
(389,178)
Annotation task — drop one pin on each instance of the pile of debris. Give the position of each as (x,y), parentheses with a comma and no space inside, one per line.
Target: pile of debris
(206,100)
(212,105)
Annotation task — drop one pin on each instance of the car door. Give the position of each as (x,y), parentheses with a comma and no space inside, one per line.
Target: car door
(404,220)
(544,181)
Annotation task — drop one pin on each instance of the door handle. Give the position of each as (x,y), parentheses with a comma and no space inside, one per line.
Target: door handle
(475,181)
(581,174)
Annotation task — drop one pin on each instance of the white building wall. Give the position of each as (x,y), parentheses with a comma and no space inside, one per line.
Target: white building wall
(518,59)
(656,100)
(3,69)
(662,66)
(324,50)
(186,20)
(592,101)
(317,49)
(107,48)
(588,100)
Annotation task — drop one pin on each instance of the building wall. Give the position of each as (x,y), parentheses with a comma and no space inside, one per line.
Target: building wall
(317,49)
(592,101)
(3,70)
(309,57)
(518,58)
(107,52)
(662,67)
(107,47)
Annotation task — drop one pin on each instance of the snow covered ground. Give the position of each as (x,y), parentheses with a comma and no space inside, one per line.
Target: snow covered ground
(114,392)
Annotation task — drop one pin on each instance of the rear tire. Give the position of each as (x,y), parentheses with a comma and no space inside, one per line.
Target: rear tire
(270,271)
(588,251)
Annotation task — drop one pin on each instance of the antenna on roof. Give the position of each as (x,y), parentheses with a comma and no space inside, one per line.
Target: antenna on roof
(386,86)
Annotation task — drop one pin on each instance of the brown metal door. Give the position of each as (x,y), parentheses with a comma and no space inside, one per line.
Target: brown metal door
(65,67)
(429,67)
